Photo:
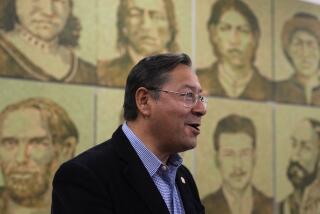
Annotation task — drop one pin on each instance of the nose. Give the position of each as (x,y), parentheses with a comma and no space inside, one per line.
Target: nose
(200,108)
(146,20)
(22,153)
(47,7)
(296,153)
(235,37)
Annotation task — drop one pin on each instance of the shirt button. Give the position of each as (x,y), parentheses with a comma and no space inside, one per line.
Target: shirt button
(164,167)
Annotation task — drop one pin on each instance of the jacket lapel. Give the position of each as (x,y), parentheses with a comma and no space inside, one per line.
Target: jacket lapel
(137,175)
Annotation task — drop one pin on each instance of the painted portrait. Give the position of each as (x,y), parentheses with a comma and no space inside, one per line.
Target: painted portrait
(38,40)
(40,128)
(234,158)
(298,160)
(143,28)
(36,136)
(234,32)
(301,46)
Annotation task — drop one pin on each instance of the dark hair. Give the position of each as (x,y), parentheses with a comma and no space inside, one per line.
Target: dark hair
(123,41)
(234,124)
(69,36)
(221,6)
(59,124)
(150,72)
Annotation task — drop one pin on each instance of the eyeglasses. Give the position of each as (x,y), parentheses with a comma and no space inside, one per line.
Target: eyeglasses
(190,99)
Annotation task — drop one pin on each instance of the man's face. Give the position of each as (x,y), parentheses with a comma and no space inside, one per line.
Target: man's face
(233,39)
(44,19)
(304,52)
(26,154)
(175,125)
(235,160)
(304,156)
(147,26)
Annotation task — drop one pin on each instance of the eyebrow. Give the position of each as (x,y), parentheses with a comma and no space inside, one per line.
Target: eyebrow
(193,88)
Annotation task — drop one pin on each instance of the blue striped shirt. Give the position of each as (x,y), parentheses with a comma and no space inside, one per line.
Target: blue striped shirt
(162,175)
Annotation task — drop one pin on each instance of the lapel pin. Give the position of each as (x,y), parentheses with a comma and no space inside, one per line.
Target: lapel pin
(183,180)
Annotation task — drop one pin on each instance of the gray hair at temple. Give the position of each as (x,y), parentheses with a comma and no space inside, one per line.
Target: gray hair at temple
(68,37)
(234,124)
(59,124)
(301,21)
(123,41)
(222,6)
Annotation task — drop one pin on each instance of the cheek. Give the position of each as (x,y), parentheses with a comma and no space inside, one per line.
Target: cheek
(42,156)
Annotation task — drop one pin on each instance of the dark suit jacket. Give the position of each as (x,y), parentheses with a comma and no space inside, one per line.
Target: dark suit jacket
(258,88)
(110,178)
(217,203)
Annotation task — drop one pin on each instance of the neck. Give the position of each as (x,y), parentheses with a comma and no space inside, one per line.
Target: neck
(237,193)
(238,72)
(145,135)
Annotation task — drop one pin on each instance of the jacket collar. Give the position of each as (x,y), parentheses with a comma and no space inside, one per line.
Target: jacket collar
(137,175)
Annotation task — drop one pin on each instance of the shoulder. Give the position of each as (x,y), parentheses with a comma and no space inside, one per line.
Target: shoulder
(213,198)
(120,64)
(207,71)
(86,72)
(260,79)
(114,72)
(261,200)
(216,203)
(100,161)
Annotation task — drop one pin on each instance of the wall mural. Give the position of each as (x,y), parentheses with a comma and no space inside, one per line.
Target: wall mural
(63,67)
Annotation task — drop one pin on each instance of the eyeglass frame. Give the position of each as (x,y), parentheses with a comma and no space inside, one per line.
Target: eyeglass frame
(197,97)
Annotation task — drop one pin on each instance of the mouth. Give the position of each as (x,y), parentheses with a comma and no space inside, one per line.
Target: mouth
(195,127)
(239,175)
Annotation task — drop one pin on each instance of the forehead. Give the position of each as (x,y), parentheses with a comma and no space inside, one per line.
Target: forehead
(233,17)
(22,121)
(154,5)
(235,141)
(182,76)
(304,132)
(303,35)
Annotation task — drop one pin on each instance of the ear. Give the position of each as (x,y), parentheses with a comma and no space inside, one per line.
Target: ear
(67,149)
(143,101)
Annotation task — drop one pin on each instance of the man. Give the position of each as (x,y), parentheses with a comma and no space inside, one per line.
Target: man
(138,170)
(36,136)
(37,42)
(303,169)
(234,35)
(235,148)
(144,28)
(301,45)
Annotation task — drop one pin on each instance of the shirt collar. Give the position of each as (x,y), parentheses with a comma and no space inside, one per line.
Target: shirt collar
(151,162)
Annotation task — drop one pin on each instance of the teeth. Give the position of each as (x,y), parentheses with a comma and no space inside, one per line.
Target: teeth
(195,126)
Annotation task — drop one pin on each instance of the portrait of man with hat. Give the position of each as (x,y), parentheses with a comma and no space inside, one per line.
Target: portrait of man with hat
(301,46)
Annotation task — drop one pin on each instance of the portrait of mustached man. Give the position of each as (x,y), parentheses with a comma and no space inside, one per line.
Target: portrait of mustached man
(235,150)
